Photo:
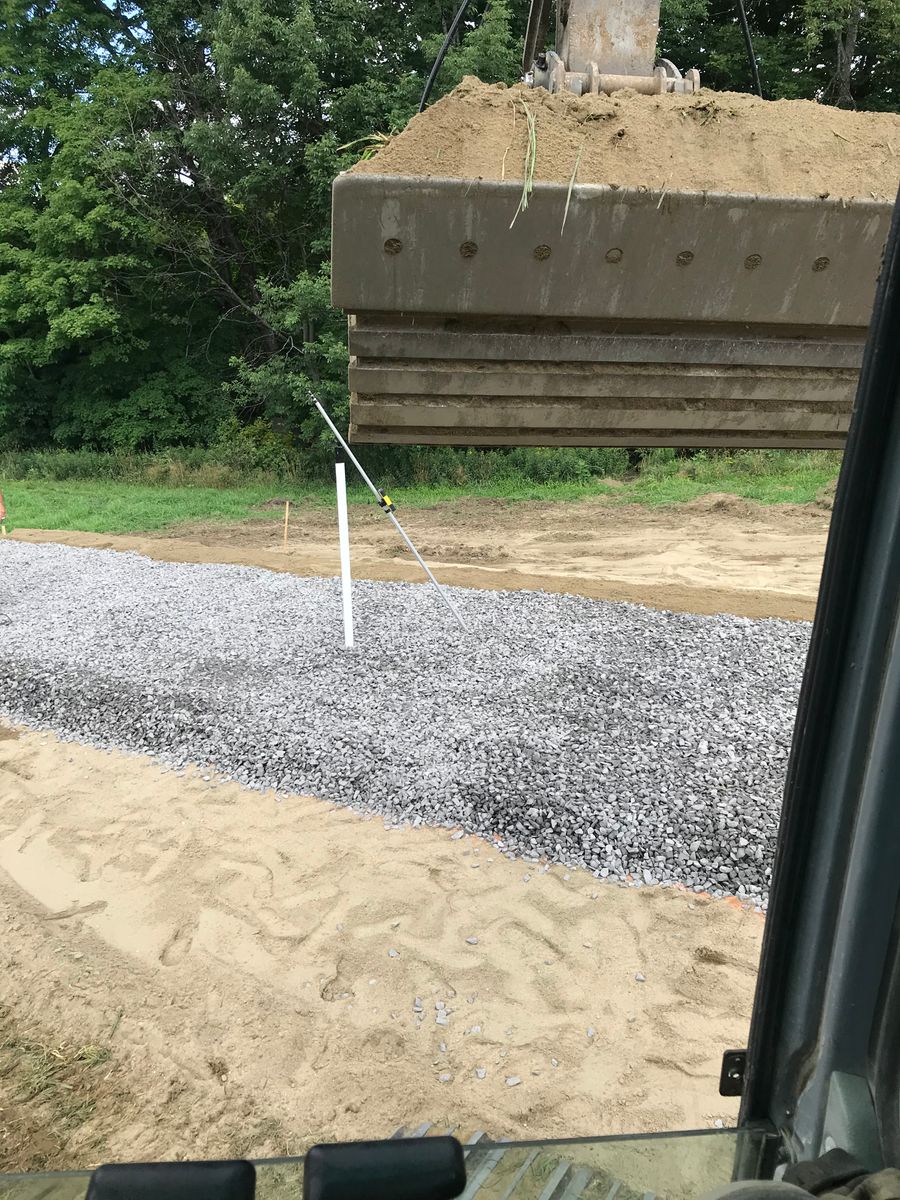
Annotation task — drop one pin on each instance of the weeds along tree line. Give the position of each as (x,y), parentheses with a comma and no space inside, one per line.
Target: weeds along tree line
(165,174)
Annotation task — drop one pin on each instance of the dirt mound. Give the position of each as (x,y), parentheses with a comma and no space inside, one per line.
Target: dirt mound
(711,141)
(825,496)
(275,502)
(726,504)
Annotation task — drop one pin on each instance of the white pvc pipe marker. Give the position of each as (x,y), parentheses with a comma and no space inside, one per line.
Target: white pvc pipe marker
(340,474)
(380,497)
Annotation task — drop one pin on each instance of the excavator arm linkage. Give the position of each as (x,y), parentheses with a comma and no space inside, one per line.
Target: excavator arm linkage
(601,46)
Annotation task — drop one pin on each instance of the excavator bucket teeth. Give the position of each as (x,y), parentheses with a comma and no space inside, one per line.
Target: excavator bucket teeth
(601,316)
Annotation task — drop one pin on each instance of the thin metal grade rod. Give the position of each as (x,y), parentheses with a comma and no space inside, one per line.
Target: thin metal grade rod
(442,592)
(427,570)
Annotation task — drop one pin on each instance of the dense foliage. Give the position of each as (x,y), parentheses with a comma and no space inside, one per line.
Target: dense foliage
(165,168)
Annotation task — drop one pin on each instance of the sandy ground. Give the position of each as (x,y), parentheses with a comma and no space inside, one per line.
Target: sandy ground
(715,554)
(232,951)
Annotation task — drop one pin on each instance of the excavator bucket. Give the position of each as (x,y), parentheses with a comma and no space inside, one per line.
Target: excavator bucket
(601,315)
(709,320)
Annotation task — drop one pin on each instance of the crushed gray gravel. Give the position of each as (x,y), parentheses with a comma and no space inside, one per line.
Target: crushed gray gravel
(622,739)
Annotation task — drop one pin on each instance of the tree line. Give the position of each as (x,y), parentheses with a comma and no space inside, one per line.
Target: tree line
(165,174)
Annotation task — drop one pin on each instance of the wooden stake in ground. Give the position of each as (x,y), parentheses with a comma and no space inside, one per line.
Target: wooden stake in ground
(2,516)
(287,515)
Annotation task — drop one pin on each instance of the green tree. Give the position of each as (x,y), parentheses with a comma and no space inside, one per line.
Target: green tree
(491,49)
(835,51)
(164,217)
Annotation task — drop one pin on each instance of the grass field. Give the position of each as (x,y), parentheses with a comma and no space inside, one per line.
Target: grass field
(111,506)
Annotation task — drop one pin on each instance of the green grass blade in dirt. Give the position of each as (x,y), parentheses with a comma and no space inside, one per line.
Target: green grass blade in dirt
(530,160)
(571,187)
